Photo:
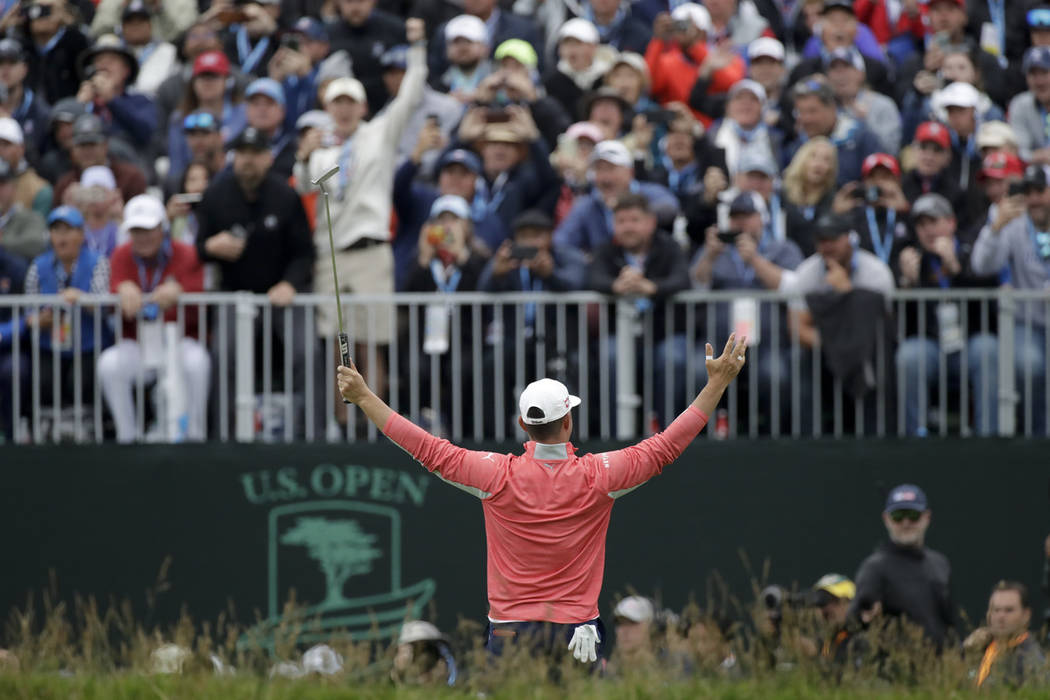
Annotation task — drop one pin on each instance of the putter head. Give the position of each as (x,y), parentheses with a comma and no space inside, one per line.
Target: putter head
(329,173)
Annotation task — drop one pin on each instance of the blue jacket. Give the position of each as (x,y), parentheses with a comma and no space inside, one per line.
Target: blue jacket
(131,117)
(50,279)
(853,141)
(589,223)
(33,115)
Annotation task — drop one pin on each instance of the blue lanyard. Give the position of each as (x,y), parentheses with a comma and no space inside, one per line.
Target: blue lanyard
(437,271)
(1041,249)
(46,48)
(641,303)
(1046,123)
(935,264)
(529,285)
(146,283)
(677,180)
(250,56)
(997,11)
(882,245)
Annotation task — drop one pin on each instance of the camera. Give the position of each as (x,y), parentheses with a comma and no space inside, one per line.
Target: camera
(32,12)
(775,598)
(869,194)
(1015,188)
(290,41)
(658,115)
(728,236)
(681,25)
(523,252)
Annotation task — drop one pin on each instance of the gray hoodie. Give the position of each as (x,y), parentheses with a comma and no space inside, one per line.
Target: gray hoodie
(1012,246)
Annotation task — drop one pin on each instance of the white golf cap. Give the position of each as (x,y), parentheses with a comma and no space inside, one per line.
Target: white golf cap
(98,176)
(697,14)
(314,119)
(322,659)
(451,204)
(345,87)
(143,211)
(549,397)
(635,608)
(634,60)
(585,130)
(766,46)
(614,152)
(11,131)
(581,30)
(466,27)
(995,134)
(748,85)
(419,631)
(958,95)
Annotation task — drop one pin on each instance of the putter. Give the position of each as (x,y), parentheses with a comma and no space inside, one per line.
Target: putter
(344,340)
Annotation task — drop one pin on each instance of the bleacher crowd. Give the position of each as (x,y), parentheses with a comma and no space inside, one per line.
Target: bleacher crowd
(825,148)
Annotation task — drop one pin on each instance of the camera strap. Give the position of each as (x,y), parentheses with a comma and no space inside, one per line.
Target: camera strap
(248,55)
(882,244)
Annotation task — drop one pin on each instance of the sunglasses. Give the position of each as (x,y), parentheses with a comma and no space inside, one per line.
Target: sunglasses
(1039,18)
(902,515)
(199,122)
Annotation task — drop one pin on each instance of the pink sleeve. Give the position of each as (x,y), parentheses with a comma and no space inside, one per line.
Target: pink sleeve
(479,471)
(632,466)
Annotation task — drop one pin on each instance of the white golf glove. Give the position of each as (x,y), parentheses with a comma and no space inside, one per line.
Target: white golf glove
(584,644)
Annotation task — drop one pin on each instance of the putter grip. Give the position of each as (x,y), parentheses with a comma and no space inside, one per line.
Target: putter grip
(344,352)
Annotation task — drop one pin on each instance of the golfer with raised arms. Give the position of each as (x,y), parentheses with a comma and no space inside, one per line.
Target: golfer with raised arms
(547,510)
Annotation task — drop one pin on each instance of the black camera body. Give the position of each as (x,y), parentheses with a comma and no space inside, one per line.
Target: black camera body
(728,237)
(32,12)
(1016,188)
(868,194)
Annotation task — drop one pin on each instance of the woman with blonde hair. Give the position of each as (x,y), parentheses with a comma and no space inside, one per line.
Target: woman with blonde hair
(809,189)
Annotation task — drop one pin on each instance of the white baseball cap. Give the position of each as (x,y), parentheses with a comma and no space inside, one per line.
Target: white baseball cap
(995,134)
(550,396)
(765,46)
(958,95)
(466,27)
(452,204)
(419,631)
(585,130)
(635,608)
(11,131)
(98,176)
(322,659)
(581,30)
(697,14)
(612,151)
(348,87)
(143,211)
(750,86)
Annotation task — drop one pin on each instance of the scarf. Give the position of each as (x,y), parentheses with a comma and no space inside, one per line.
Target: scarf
(992,653)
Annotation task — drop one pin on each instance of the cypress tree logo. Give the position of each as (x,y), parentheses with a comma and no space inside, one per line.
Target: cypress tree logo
(341,550)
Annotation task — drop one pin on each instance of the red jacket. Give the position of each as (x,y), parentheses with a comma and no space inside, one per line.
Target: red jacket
(183,267)
(874,14)
(673,73)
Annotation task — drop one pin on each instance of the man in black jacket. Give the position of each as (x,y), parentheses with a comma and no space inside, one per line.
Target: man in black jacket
(366,33)
(502,25)
(903,578)
(253,225)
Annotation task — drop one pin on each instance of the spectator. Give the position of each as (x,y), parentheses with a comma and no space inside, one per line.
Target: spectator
(202,137)
(634,616)
(878,208)
(817,114)
(736,21)
(109,69)
(1026,109)
(362,199)
(49,29)
(434,106)
(571,160)
(766,67)
(942,261)
(810,33)
(68,269)
(838,30)
(932,148)
(516,83)
(896,26)
(756,172)
(1017,239)
(743,127)
(832,596)
(91,147)
(168,18)
(500,25)
(809,189)
(467,53)
(423,657)
(265,111)
(996,136)
(22,233)
(579,70)
(23,103)
(181,207)
(97,198)
(740,257)
(31,190)
(616,25)
(609,109)
(156,57)
(365,32)
(709,638)
(12,277)
(904,578)
(1011,656)
(645,265)
(679,45)
(589,224)
(297,63)
(1009,38)
(58,158)
(249,41)
(846,76)
(149,273)
(959,72)
(959,101)
(253,225)
(998,171)
(628,76)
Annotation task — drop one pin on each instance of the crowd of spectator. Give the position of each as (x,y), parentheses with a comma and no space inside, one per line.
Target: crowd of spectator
(832,149)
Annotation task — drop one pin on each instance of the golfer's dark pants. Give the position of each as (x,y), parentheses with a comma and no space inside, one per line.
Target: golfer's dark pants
(541,638)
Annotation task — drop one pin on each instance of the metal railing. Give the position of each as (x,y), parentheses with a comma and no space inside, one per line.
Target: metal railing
(271,375)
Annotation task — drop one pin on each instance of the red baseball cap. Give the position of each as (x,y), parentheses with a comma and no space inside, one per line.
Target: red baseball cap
(1001,165)
(880,160)
(211,62)
(933,131)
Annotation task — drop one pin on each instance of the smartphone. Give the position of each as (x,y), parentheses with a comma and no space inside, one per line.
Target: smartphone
(1015,188)
(189,198)
(728,236)
(290,41)
(497,116)
(523,252)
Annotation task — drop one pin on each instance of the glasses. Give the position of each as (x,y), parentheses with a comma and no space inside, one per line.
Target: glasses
(199,122)
(898,516)
(1039,18)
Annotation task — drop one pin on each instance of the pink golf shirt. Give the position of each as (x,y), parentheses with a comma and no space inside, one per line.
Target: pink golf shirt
(546,512)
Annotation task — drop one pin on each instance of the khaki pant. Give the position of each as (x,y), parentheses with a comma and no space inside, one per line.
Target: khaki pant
(363,271)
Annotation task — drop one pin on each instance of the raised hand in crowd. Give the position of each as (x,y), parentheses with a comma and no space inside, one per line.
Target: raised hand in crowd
(844,201)
(519,87)
(309,142)
(1009,209)
(288,62)
(663,26)
(503,261)
(944,247)
(415,30)
(891,196)
(522,123)
(715,183)
(473,124)
(431,138)
(910,262)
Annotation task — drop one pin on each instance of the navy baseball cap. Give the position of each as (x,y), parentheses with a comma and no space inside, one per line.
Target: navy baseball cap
(67,215)
(906,497)
(311,29)
(1036,57)
(395,57)
(460,156)
(744,203)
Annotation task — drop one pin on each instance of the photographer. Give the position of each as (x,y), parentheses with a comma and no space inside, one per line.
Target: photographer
(296,63)
(877,207)
(108,69)
(49,30)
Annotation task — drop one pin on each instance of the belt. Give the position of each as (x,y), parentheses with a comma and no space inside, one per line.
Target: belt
(366,242)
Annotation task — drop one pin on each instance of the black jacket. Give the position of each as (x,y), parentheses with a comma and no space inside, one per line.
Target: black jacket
(566,93)
(54,75)
(366,44)
(910,583)
(914,186)
(279,240)
(848,325)
(508,26)
(878,76)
